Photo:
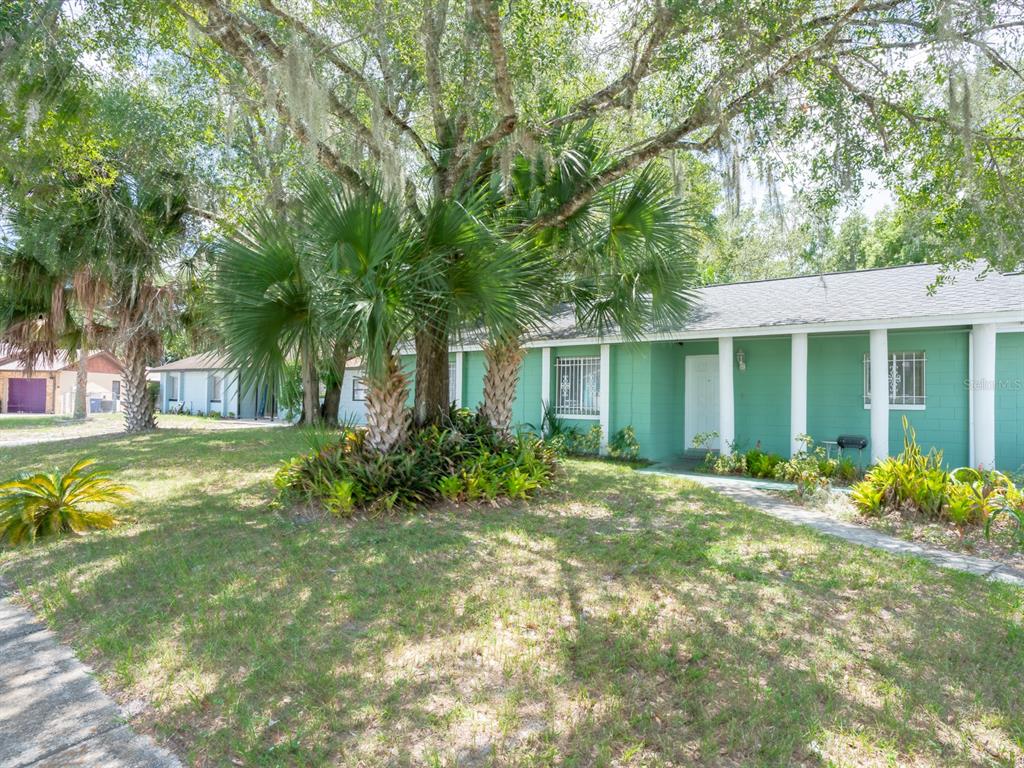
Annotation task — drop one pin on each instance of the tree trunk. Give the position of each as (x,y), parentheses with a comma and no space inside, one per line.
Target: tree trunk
(138,407)
(387,420)
(500,379)
(310,387)
(332,399)
(431,402)
(82,378)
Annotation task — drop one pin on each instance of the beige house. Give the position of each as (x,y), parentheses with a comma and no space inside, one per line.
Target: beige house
(50,386)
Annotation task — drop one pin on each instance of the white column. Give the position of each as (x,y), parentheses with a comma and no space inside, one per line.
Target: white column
(726,411)
(879,375)
(605,395)
(459,362)
(797,391)
(545,383)
(983,395)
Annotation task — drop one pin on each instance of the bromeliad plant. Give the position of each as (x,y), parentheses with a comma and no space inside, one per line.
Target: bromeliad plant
(51,503)
(463,459)
(916,482)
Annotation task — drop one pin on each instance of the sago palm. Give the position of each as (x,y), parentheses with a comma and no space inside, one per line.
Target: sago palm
(51,503)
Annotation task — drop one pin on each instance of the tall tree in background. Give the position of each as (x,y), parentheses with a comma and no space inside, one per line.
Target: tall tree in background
(435,95)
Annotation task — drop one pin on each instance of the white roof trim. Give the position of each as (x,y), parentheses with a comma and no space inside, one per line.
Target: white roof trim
(1009,320)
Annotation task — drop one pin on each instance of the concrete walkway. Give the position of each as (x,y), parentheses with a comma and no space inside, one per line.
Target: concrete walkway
(52,712)
(752,494)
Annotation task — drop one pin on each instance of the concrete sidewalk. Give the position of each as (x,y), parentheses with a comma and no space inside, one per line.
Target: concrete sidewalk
(52,712)
(752,494)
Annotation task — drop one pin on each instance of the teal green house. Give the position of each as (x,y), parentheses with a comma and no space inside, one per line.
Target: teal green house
(761,363)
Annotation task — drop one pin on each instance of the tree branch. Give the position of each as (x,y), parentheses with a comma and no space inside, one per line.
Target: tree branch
(326,48)
(701,116)
(223,31)
(487,11)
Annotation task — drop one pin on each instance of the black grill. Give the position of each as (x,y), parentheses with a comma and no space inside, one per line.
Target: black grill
(852,441)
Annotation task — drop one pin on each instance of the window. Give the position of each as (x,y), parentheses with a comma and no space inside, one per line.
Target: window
(906,380)
(578,380)
(358,387)
(172,387)
(115,389)
(452,388)
(216,387)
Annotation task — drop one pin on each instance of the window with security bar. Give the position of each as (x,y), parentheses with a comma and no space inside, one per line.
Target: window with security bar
(578,382)
(358,387)
(906,380)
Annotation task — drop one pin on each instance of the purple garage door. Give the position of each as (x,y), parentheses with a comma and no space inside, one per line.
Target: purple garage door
(26,396)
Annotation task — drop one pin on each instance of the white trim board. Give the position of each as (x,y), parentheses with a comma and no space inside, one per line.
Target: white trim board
(1008,321)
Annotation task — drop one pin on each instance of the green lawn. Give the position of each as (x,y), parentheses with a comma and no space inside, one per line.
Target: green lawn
(623,619)
(17,421)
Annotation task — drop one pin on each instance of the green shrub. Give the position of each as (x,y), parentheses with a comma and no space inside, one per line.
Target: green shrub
(916,482)
(810,468)
(52,503)
(464,459)
(762,464)
(624,445)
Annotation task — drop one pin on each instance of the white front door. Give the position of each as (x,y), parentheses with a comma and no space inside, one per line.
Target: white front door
(701,402)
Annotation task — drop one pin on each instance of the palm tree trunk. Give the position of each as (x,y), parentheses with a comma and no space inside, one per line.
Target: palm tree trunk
(310,387)
(332,399)
(138,407)
(500,380)
(387,419)
(431,403)
(82,378)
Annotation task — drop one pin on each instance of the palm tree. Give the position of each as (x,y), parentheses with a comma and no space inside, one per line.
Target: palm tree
(138,227)
(624,261)
(35,316)
(88,290)
(270,303)
(375,287)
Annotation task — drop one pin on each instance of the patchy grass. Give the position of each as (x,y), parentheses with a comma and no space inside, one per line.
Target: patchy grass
(622,619)
(17,430)
(17,421)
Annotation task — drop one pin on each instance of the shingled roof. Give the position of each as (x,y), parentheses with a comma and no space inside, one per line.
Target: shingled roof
(204,361)
(890,295)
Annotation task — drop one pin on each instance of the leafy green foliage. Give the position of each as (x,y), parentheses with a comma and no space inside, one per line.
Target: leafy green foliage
(51,503)
(624,445)
(461,459)
(915,482)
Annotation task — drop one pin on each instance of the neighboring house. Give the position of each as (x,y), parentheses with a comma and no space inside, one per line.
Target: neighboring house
(352,409)
(207,383)
(761,363)
(50,386)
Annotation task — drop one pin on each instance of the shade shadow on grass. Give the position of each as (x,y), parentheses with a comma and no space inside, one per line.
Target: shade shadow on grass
(619,619)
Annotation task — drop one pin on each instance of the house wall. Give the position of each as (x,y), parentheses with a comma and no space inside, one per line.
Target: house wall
(349,409)
(835,387)
(99,386)
(945,421)
(1010,402)
(762,394)
(648,389)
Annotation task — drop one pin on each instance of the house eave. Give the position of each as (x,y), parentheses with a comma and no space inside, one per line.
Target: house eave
(1007,321)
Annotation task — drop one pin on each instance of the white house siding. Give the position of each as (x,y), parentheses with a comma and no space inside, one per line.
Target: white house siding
(350,410)
(194,391)
(100,387)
